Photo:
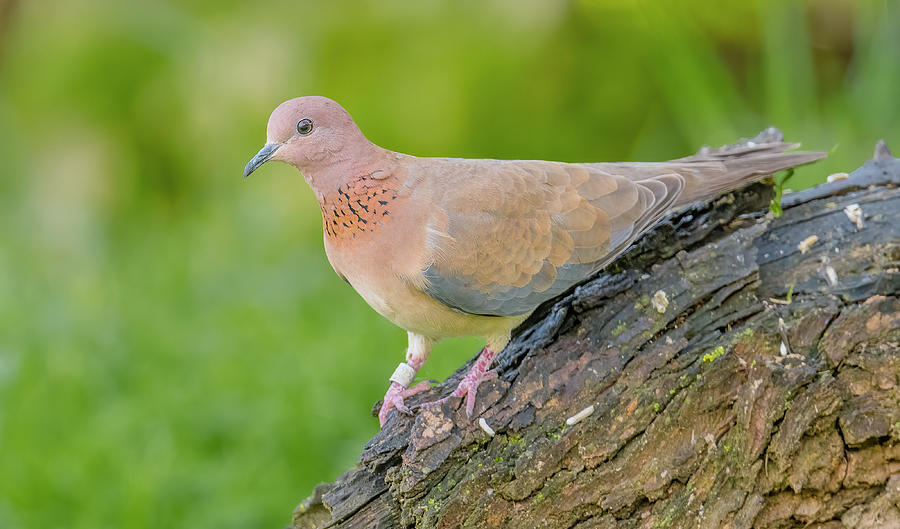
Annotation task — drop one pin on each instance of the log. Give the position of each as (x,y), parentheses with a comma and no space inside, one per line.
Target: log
(726,378)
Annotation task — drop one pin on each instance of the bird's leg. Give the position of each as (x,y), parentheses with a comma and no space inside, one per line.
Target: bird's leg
(478,373)
(416,355)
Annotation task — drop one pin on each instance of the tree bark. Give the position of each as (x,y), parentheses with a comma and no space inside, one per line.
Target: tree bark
(736,381)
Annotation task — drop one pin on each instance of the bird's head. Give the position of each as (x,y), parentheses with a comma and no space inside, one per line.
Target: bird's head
(312,134)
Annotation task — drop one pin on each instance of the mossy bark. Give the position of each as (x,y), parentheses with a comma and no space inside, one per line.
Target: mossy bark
(727,407)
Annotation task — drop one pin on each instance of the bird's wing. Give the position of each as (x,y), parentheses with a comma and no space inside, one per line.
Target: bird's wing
(506,236)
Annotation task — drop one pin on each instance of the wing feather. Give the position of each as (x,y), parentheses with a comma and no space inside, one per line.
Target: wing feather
(508,236)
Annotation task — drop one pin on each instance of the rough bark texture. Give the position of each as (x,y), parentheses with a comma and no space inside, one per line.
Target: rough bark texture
(729,407)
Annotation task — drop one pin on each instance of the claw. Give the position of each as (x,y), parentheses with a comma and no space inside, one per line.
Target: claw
(394,399)
(468,386)
(469,389)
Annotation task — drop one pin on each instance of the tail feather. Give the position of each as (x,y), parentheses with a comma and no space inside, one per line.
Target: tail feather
(737,172)
(712,172)
(740,164)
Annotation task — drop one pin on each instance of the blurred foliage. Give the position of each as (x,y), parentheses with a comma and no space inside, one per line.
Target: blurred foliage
(175,350)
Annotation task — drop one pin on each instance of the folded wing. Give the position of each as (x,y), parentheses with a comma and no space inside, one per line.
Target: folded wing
(508,236)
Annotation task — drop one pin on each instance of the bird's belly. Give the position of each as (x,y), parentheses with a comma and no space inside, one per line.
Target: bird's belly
(415,311)
(422,314)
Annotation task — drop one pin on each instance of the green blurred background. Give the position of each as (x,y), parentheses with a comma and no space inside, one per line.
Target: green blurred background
(175,350)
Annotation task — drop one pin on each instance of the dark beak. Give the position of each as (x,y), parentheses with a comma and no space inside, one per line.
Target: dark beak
(261,157)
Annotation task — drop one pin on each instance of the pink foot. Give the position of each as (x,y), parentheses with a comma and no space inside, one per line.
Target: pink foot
(478,373)
(394,398)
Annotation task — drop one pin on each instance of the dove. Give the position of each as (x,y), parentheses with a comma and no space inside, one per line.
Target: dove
(447,247)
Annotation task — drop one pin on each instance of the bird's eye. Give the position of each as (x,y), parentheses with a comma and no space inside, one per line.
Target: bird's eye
(304,126)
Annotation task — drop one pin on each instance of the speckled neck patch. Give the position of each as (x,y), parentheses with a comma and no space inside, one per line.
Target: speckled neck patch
(358,207)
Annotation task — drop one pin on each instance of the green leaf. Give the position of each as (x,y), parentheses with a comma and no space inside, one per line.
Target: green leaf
(780,179)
